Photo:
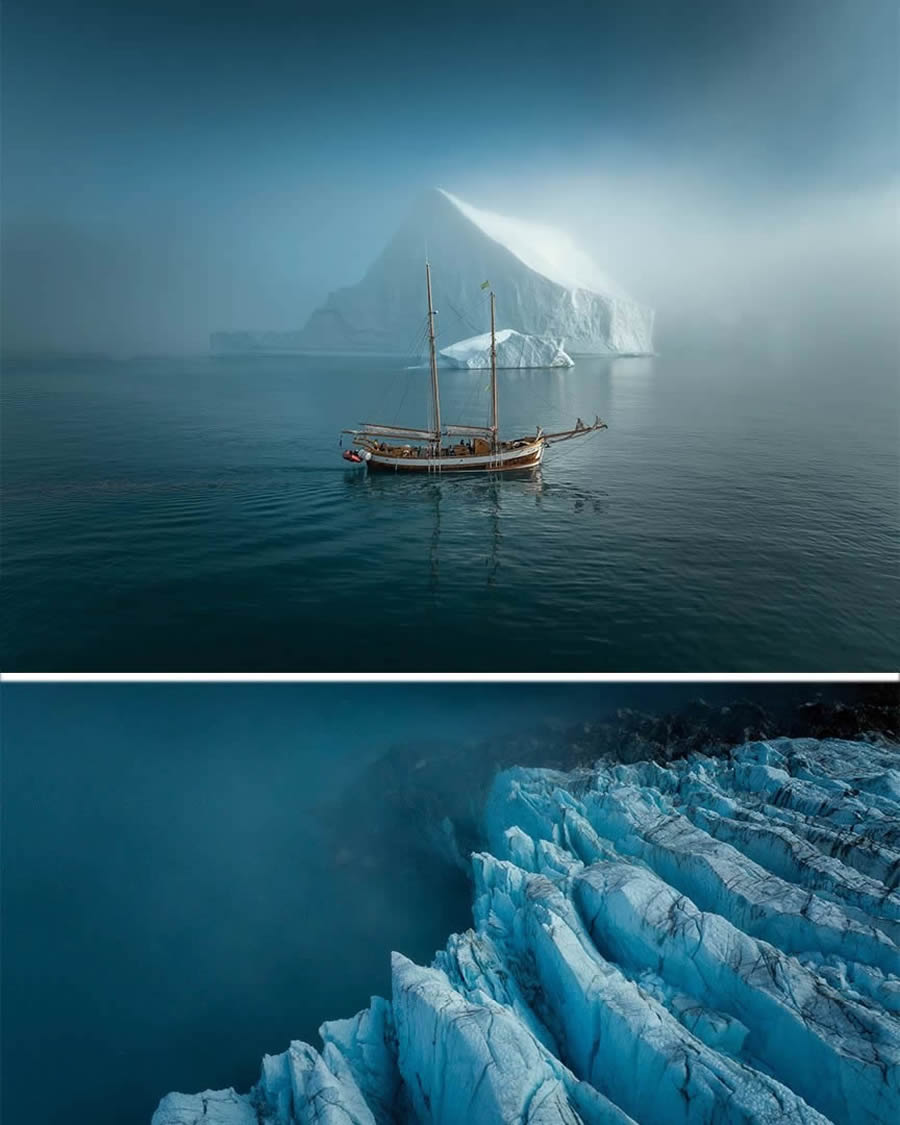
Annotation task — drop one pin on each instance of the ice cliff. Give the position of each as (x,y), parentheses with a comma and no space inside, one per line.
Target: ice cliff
(713,940)
(545,285)
(513,350)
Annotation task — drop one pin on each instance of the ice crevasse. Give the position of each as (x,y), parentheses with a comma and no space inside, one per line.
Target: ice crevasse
(715,940)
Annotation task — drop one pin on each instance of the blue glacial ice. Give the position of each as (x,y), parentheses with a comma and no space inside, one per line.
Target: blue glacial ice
(714,940)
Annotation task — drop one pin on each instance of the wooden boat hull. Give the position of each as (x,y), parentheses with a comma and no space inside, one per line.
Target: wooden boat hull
(525,457)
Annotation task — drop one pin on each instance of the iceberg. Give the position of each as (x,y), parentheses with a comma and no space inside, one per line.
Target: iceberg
(546,286)
(688,941)
(513,350)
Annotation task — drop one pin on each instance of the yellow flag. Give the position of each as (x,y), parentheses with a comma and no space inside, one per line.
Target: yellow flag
(485,285)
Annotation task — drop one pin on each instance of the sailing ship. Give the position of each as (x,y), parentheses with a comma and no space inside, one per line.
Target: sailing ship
(469,448)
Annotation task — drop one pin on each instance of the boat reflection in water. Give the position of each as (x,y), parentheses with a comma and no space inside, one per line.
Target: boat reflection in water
(471,523)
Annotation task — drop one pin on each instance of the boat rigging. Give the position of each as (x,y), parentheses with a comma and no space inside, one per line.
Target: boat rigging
(479,448)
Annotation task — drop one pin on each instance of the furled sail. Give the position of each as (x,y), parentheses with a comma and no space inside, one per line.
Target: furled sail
(469,431)
(366,428)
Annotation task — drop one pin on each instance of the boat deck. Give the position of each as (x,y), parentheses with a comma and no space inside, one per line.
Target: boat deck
(465,457)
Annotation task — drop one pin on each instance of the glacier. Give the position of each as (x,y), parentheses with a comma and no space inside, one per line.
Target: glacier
(710,939)
(546,286)
(513,350)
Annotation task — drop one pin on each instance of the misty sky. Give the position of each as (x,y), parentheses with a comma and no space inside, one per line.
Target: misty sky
(172,169)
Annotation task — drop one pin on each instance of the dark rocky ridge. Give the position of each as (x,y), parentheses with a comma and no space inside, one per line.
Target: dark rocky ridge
(430,798)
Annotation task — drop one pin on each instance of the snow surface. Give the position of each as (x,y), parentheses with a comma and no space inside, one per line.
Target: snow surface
(513,350)
(545,286)
(712,941)
(545,250)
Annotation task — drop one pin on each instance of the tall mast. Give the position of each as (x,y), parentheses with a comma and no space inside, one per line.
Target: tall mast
(435,394)
(494,412)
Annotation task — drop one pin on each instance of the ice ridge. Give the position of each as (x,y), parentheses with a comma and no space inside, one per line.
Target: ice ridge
(714,940)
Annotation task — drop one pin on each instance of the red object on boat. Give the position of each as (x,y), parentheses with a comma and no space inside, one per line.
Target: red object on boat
(352,455)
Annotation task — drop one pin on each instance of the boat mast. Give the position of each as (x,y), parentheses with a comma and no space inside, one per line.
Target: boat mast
(435,394)
(494,413)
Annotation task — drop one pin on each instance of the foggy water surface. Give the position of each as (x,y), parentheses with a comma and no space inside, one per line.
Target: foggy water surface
(739,514)
(176,898)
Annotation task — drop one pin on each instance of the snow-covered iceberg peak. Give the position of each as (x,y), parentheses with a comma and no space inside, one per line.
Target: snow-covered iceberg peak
(546,250)
(513,350)
(710,941)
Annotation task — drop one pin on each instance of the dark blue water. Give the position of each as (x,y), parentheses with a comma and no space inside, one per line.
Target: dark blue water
(174,899)
(194,514)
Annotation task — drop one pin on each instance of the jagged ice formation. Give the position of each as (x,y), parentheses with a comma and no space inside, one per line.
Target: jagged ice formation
(513,350)
(710,941)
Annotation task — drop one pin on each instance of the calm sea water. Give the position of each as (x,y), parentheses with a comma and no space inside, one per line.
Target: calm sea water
(194,514)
